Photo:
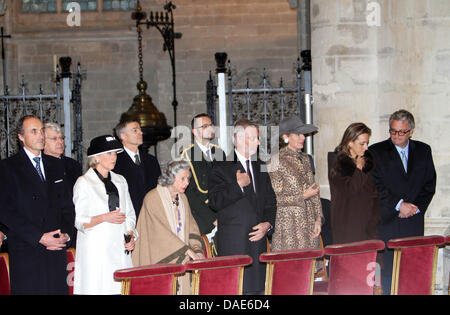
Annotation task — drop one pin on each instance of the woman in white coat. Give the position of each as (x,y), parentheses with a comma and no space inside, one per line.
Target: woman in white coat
(104,215)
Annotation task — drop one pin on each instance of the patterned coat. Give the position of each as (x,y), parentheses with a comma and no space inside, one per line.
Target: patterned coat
(295,218)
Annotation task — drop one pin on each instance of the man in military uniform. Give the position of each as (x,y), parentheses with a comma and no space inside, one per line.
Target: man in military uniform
(200,155)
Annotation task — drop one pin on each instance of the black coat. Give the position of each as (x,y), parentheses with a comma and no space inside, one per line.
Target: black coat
(72,169)
(140,178)
(238,212)
(197,191)
(393,183)
(29,209)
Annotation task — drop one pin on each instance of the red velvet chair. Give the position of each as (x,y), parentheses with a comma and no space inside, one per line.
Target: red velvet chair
(219,275)
(207,246)
(157,279)
(290,272)
(414,269)
(447,240)
(70,268)
(352,267)
(5,289)
(321,276)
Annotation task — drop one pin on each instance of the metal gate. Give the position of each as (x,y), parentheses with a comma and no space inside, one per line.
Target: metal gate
(47,107)
(251,95)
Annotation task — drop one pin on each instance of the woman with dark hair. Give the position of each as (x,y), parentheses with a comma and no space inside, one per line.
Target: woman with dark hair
(299,212)
(354,197)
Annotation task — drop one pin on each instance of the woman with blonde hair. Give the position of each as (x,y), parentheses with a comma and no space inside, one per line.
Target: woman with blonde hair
(105,219)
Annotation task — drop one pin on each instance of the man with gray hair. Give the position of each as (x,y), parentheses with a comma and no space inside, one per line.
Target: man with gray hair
(406,180)
(54,146)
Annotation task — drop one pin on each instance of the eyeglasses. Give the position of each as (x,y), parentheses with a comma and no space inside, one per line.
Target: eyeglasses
(398,132)
(204,126)
(55,138)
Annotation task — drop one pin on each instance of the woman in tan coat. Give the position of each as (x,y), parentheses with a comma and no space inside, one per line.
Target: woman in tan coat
(168,232)
(299,212)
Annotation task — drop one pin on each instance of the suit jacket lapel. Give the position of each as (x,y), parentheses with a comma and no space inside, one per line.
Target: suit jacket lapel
(29,171)
(397,160)
(411,156)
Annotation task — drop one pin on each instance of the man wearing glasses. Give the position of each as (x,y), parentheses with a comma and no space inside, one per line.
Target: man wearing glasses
(406,180)
(201,154)
(54,146)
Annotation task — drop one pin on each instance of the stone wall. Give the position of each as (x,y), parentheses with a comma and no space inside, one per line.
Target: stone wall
(255,34)
(364,71)
(360,72)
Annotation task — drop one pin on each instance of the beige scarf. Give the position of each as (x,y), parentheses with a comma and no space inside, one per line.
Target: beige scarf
(175,215)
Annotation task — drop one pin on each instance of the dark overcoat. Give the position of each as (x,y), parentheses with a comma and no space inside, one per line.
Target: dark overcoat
(140,178)
(197,191)
(416,186)
(238,212)
(355,206)
(30,208)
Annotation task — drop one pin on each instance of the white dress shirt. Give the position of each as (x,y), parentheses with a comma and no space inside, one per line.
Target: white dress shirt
(31,156)
(132,154)
(243,160)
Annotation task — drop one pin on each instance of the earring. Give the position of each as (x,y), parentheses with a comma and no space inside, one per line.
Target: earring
(286,140)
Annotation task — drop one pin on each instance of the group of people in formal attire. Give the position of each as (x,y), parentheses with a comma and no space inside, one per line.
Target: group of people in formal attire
(128,211)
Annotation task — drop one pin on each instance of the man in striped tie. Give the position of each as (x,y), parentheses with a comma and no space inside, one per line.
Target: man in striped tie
(37,213)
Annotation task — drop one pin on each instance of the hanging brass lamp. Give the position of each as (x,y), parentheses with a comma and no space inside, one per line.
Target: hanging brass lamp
(153,122)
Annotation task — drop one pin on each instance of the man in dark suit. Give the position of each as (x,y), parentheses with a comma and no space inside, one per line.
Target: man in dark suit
(37,213)
(200,156)
(241,192)
(2,237)
(406,180)
(54,146)
(140,169)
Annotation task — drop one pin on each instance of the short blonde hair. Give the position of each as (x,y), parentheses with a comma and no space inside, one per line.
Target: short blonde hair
(92,162)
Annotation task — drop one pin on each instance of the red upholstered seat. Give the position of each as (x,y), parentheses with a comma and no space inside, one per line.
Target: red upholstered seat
(290,272)
(352,267)
(207,246)
(70,268)
(4,274)
(447,241)
(157,279)
(219,275)
(414,269)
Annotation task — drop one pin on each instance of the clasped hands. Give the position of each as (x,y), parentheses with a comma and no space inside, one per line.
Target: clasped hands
(54,240)
(407,210)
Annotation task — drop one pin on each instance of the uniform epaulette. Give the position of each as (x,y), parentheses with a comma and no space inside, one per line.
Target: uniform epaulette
(194,175)
(186,149)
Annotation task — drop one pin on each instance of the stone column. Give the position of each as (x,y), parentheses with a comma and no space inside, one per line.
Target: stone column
(372,57)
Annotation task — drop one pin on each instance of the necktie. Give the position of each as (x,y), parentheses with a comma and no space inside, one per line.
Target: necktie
(404,160)
(37,160)
(209,154)
(137,160)
(249,172)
